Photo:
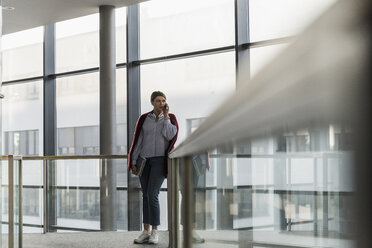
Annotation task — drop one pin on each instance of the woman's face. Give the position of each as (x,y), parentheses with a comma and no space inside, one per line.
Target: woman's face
(159,103)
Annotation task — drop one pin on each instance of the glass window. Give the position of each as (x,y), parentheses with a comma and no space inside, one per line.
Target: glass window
(77,43)
(22,119)
(23,54)
(24,142)
(78,114)
(78,140)
(271,19)
(121,35)
(121,110)
(194,87)
(179,26)
(261,56)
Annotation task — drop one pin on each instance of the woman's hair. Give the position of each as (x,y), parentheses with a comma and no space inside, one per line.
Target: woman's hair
(155,94)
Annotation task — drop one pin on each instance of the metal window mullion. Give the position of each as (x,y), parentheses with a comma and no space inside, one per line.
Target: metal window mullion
(50,123)
(186,55)
(133,111)
(20,206)
(243,70)
(49,96)
(241,38)
(44,196)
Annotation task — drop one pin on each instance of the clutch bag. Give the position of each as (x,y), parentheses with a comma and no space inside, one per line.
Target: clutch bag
(140,164)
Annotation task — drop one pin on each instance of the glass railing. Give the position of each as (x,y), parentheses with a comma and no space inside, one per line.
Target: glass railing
(75,193)
(268,198)
(285,161)
(11,203)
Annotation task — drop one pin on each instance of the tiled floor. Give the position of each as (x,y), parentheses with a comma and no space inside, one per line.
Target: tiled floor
(89,240)
(112,240)
(214,239)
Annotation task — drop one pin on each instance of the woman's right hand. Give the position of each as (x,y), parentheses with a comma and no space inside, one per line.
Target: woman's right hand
(134,169)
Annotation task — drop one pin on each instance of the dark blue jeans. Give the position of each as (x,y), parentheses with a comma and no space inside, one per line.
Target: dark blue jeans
(151,180)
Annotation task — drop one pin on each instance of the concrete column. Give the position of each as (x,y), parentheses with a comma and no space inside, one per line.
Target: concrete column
(107,114)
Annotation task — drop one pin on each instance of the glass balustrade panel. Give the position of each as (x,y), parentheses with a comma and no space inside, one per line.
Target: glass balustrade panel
(293,189)
(32,172)
(79,186)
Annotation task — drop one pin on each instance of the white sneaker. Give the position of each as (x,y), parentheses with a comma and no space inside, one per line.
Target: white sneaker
(154,237)
(143,238)
(196,238)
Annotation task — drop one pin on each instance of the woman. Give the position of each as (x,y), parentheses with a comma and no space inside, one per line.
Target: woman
(154,137)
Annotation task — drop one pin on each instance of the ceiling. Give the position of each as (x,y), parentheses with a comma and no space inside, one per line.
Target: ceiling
(33,13)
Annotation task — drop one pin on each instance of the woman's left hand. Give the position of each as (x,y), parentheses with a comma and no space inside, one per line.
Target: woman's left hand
(166,110)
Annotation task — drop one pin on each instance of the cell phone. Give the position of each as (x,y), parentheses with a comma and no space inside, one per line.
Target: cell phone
(165,107)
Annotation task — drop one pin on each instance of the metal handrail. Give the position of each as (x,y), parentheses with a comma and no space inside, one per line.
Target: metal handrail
(6,157)
(212,155)
(287,155)
(105,156)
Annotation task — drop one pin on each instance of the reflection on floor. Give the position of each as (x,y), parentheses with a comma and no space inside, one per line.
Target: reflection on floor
(269,239)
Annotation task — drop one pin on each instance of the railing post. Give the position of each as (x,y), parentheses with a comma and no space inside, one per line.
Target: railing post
(173,200)
(20,212)
(176,206)
(315,198)
(45,228)
(50,218)
(187,201)
(325,195)
(11,206)
(10,202)
(170,201)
